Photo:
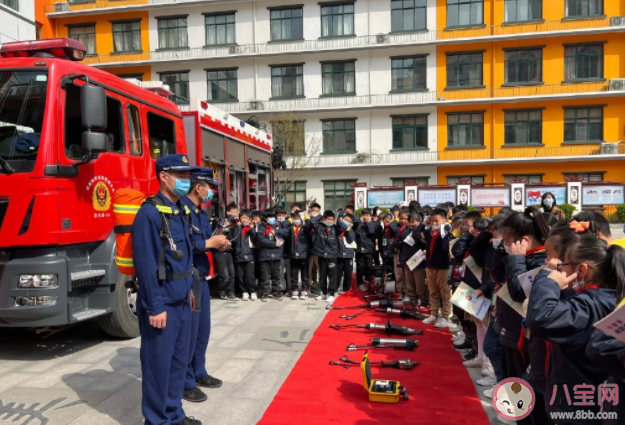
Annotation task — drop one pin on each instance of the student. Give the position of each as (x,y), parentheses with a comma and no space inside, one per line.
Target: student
(414,280)
(313,261)
(270,240)
(232,211)
(366,234)
(596,274)
(243,243)
(299,248)
(601,226)
(285,263)
(386,239)
(326,248)
(437,268)
(525,235)
(296,208)
(395,213)
(256,222)
(345,260)
(547,202)
(224,261)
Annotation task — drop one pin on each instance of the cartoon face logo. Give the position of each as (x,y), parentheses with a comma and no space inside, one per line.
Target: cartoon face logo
(513,399)
(101,197)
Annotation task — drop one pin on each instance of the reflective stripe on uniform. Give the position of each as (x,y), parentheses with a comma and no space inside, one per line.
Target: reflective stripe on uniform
(128,262)
(126,209)
(163,209)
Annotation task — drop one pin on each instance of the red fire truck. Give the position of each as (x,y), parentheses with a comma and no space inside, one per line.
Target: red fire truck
(70,136)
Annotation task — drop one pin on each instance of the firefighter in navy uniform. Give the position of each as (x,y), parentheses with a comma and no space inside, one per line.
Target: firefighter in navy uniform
(163,262)
(202,185)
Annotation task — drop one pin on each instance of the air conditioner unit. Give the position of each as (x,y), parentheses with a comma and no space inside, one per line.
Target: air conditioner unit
(256,105)
(382,38)
(609,148)
(617,21)
(617,84)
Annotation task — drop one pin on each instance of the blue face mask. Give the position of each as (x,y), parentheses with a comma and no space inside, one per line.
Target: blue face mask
(209,196)
(297,222)
(347,224)
(182,187)
(328,223)
(271,221)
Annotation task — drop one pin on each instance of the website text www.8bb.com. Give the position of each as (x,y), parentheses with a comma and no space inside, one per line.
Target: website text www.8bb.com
(584,415)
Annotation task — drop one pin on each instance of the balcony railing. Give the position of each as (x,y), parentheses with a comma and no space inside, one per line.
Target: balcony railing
(425,98)
(463,155)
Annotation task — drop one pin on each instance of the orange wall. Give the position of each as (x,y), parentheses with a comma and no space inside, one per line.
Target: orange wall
(48,29)
(145,70)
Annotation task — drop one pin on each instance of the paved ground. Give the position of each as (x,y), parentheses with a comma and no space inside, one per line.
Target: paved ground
(81,376)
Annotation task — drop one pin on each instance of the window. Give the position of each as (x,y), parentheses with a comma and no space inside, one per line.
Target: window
(337,21)
(529,178)
(523,66)
(13,4)
(222,85)
(410,132)
(465,13)
(409,74)
(339,136)
(220,29)
(162,135)
(464,70)
(129,76)
(337,194)
(583,124)
(291,135)
(453,180)
(523,127)
(339,78)
(127,36)
(408,15)
(287,81)
(116,139)
(134,130)
(583,62)
(523,10)
(86,35)
(583,8)
(178,84)
(465,129)
(172,33)
(405,181)
(287,24)
(295,193)
(587,177)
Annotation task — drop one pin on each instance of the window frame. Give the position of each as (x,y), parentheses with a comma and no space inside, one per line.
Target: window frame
(174,85)
(230,80)
(451,127)
(473,177)
(92,25)
(277,137)
(297,75)
(421,179)
(587,175)
(415,131)
(334,131)
(577,56)
(345,189)
(169,28)
(416,68)
(470,3)
(131,126)
(216,26)
(517,128)
(527,177)
(334,16)
(280,20)
(125,33)
(334,72)
(582,16)
(416,10)
(519,65)
(516,3)
(295,190)
(457,70)
(587,118)
(11,4)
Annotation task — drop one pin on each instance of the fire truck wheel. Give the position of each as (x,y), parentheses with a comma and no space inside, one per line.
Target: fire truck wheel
(122,322)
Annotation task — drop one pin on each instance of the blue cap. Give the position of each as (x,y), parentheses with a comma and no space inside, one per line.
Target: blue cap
(174,162)
(204,174)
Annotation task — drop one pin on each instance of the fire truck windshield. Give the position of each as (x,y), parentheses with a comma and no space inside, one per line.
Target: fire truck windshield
(22,107)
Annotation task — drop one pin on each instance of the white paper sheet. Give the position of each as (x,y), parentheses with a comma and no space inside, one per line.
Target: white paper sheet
(416,259)
(475,306)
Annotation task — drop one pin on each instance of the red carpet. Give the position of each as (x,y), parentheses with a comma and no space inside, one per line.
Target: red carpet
(441,391)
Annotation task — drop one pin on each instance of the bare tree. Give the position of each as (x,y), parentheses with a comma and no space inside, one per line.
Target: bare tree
(294,152)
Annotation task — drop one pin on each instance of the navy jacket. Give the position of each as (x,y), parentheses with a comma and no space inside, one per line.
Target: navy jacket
(155,294)
(268,251)
(326,241)
(366,235)
(345,252)
(406,251)
(243,236)
(386,238)
(437,251)
(568,324)
(298,244)
(459,251)
(200,232)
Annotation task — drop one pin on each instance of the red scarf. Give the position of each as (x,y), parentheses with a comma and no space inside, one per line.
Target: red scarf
(432,243)
(268,229)
(534,251)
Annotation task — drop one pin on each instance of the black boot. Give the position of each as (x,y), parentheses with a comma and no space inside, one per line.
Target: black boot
(209,382)
(194,395)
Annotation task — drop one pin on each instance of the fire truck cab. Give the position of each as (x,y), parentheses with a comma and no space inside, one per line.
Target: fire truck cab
(70,136)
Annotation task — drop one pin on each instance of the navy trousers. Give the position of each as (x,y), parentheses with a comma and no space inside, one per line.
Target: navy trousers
(200,333)
(164,359)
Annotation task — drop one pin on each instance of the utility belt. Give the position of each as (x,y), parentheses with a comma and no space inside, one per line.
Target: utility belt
(178,276)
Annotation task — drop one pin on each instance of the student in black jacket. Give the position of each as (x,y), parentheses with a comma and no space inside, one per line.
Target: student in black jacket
(345,260)
(596,274)
(224,260)
(243,241)
(414,280)
(366,234)
(298,248)
(271,237)
(385,240)
(326,247)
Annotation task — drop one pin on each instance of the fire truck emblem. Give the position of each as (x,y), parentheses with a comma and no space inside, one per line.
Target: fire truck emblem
(185,160)
(101,197)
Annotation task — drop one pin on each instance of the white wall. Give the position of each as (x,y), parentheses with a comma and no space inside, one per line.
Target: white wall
(18,25)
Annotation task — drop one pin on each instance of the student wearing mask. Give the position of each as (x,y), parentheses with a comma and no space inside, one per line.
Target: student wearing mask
(271,251)
(414,280)
(285,263)
(299,249)
(313,261)
(345,260)
(326,247)
(244,242)
(548,202)
(366,234)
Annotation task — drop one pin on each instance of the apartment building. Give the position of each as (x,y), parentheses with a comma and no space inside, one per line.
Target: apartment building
(388,91)
(18,20)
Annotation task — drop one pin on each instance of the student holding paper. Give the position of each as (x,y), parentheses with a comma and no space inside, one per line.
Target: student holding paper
(414,279)
(366,233)
(345,260)
(596,274)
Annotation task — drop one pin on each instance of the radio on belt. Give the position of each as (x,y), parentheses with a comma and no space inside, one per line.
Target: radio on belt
(381,391)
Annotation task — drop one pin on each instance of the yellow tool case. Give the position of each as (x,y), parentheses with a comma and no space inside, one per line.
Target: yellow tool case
(380,390)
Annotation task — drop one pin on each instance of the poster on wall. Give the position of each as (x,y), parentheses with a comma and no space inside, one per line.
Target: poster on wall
(464,197)
(490,197)
(433,197)
(385,198)
(518,197)
(602,195)
(535,194)
(360,199)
